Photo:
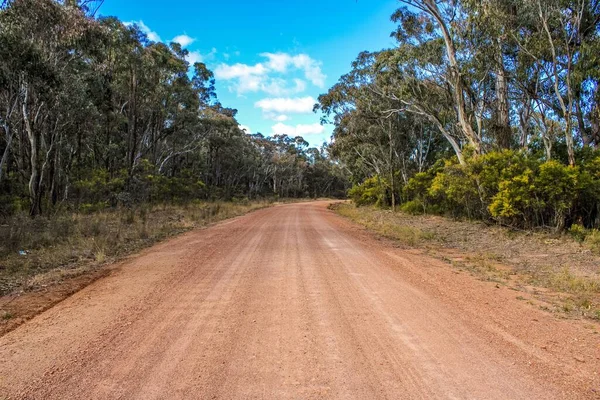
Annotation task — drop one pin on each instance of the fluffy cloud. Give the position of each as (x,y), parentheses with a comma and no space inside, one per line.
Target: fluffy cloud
(183,40)
(258,77)
(279,86)
(153,36)
(298,130)
(238,70)
(193,57)
(273,116)
(280,62)
(282,105)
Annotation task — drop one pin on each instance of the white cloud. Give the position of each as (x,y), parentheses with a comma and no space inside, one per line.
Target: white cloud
(212,54)
(298,130)
(259,77)
(246,129)
(238,70)
(184,40)
(250,83)
(300,85)
(298,105)
(279,87)
(153,36)
(250,78)
(275,116)
(274,87)
(193,57)
(280,62)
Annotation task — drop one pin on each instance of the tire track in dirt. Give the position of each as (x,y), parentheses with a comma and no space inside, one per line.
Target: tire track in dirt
(294,302)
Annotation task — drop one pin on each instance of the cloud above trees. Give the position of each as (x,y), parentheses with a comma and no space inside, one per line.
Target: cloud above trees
(272,76)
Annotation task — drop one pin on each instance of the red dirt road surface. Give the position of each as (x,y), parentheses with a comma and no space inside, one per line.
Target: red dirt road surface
(295,302)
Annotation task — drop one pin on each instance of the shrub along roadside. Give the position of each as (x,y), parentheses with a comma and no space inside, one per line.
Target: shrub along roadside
(508,187)
(40,251)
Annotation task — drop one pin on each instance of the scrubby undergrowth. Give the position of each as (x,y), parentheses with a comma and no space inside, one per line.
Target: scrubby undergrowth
(510,188)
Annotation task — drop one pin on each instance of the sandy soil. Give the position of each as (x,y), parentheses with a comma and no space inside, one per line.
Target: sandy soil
(295,302)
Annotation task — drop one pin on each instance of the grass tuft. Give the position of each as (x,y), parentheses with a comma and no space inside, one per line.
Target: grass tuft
(592,240)
(380,223)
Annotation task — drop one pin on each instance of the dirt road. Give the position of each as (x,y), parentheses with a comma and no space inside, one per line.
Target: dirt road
(294,302)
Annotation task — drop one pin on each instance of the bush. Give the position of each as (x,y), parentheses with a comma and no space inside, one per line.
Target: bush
(587,204)
(508,187)
(371,192)
(493,168)
(578,232)
(414,207)
(417,187)
(455,189)
(555,191)
(513,198)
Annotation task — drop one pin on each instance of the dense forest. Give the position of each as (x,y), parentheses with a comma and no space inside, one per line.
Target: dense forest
(484,109)
(93,115)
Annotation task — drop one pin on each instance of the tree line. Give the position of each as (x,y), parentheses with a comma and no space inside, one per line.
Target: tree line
(483,109)
(93,114)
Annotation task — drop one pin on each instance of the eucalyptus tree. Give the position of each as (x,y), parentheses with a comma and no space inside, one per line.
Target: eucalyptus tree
(375,134)
(426,32)
(48,71)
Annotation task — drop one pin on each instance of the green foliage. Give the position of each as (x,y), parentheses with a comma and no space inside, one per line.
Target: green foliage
(578,232)
(371,192)
(100,187)
(455,190)
(513,198)
(472,78)
(556,189)
(505,186)
(414,207)
(542,196)
(493,168)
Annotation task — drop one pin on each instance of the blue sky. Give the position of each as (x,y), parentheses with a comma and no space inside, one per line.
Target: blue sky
(271,58)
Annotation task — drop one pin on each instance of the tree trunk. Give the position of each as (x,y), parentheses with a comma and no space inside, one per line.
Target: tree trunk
(34,188)
(567,109)
(455,78)
(4,160)
(132,121)
(524,117)
(503,131)
(391,160)
(595,130)
(585,133)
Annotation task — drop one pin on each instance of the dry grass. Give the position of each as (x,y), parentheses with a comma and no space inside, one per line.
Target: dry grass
(36,253)
(557,270)
(380,223)
(592,240)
